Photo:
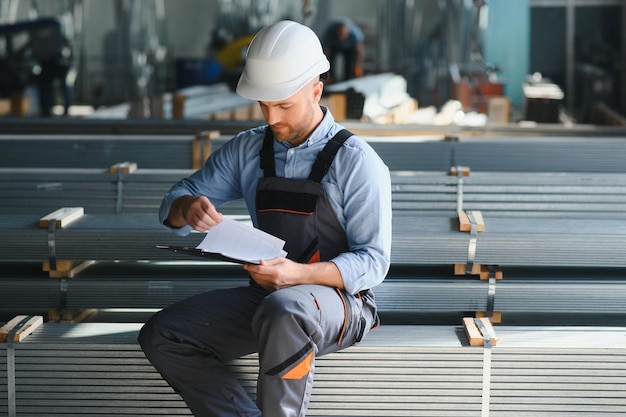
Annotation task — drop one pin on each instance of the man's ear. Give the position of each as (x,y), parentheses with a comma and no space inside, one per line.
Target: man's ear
(318,88)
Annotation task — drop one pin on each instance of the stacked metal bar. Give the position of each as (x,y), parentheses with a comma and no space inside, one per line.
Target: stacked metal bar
(424,240)
(415,153)
(507,194)
(89,151)
(98,191)
(43,190)
(409,295)
(558,371)
(98,369)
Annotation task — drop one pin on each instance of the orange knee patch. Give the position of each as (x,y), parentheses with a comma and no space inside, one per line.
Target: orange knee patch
(301,369)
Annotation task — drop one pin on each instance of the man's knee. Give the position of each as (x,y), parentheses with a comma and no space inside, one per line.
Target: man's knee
(146,337)
(152,334)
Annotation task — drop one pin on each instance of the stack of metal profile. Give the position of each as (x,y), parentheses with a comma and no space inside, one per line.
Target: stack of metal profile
(98,369)
(132,286)
(520,194)
(541,154)
(409,295)
(98,191)
(98,150)
(412,153)
(419,240)
(564,154)
(44,190)
(510,241)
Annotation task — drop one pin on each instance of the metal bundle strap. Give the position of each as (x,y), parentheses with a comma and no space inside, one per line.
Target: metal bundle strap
(491,293)
(52,253)
(471,249)
(12,403)
(120,191)
(486,388)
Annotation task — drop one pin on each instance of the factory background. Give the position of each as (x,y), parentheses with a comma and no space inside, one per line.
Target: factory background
(502,123)
(123,50)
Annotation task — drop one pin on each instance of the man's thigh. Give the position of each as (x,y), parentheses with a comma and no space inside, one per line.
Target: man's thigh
(217,321)
(332,317)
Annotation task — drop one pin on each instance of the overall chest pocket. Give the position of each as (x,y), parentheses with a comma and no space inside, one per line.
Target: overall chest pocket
(286,202)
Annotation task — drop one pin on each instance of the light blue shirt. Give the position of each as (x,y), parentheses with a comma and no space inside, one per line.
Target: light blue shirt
(358,186)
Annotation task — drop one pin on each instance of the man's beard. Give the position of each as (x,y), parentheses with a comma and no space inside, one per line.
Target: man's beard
(290,135)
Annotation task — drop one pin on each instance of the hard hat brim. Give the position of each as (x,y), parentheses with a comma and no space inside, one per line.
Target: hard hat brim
(268,91)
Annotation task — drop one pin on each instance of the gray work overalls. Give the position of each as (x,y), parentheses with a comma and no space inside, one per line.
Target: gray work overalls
(299,212)
(191,341)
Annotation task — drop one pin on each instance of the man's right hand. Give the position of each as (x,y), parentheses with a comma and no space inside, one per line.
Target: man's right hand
(196,211)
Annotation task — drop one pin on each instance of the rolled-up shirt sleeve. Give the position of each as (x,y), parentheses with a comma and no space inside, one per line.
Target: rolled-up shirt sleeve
(364,184)
(166,205)
(219,180)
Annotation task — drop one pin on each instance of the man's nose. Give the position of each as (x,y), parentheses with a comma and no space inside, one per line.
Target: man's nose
(272,116)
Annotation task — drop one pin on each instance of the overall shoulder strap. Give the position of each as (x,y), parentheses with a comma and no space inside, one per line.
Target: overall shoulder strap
(267,154)
(327,155)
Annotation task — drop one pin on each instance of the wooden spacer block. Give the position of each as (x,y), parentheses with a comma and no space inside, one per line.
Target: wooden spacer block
(461,269)
(465,171)
(123,167)
(208,134)
(178,106)
(66,269)
(201,147)
(30,326)
(464,222)
(484,272)
(495,318)
(474,335)
(62,217)
(69,316)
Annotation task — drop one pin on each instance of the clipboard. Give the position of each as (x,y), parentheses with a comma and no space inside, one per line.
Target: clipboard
(204,254)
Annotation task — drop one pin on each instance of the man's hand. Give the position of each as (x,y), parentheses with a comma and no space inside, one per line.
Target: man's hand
(273,274)
(277,273)
(197,212)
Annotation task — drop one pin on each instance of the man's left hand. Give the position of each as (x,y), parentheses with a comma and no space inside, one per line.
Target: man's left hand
(274,274)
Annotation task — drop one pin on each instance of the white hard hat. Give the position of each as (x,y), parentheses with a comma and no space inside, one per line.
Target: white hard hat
(281,59)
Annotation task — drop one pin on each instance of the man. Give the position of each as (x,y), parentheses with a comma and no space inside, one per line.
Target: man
(52,52)
(344,38)
(335,217)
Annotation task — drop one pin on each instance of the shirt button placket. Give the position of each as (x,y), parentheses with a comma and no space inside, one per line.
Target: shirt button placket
(289,163)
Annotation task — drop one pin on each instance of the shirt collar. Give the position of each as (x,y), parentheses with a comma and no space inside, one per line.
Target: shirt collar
(323,131)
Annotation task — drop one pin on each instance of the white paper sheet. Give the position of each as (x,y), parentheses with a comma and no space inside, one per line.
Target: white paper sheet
(241,241)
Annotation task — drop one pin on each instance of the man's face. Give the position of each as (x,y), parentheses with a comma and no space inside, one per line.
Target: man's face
(293,119)
(343,31)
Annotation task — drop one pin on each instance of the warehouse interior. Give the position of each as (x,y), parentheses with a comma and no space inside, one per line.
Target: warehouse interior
(503,124)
